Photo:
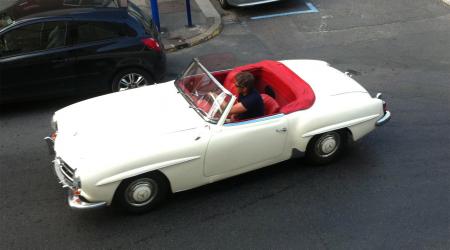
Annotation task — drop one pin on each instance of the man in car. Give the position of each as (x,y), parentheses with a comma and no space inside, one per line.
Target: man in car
(249,104)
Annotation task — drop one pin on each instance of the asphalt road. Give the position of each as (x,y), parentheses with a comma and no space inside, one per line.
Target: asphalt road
(391,190)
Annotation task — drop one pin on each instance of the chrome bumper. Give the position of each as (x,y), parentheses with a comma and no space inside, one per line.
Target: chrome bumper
(51,145)
(74,198)
(76,202)
(386,117)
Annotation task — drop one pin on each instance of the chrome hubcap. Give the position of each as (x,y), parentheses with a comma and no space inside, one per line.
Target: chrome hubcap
(328,144)
(141,192)
(131,81)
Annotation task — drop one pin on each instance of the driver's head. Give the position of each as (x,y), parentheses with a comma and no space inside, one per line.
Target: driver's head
(244,82)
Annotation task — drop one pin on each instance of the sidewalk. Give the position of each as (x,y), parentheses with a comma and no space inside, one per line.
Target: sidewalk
(175,34)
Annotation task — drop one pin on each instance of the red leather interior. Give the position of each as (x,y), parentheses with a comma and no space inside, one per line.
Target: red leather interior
(291,92)
(270,105)
(221,75)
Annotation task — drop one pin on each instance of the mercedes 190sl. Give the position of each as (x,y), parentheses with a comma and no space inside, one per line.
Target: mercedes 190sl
(133,148)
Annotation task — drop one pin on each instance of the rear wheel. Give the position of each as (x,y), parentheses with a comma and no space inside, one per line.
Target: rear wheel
(141,193)
(326,147)
(224,3)
(130,79)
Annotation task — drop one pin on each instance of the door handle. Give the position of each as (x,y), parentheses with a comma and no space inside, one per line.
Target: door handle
(281,130)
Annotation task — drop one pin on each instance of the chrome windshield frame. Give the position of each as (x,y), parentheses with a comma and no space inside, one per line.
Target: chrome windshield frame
(221,120)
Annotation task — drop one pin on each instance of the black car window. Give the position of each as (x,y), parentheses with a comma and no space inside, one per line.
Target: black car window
(142,18)
(34,37)
(53,35)
(85,32)
(22,40)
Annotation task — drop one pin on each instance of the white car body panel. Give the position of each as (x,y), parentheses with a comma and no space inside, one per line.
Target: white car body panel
(112,138)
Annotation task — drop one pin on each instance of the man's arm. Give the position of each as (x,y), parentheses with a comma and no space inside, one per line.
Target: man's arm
(237,108)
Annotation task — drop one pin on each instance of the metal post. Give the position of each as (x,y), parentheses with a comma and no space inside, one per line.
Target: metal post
(188,13)
(155,13)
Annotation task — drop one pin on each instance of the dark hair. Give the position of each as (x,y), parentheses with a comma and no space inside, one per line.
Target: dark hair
(245,80)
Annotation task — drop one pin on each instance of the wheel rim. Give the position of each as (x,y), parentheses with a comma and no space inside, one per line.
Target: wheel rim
(131,81)
(141,192)
(328,144)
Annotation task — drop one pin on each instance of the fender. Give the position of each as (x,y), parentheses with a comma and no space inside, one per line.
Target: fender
(341,125)
(145,169)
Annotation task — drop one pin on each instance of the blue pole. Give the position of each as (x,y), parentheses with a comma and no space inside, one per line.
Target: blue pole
(188,13)
(155,13)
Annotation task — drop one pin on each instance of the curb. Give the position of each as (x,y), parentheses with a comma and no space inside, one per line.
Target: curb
(212,16)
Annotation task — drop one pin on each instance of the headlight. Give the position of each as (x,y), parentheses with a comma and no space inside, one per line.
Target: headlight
(54,125)
(76,181)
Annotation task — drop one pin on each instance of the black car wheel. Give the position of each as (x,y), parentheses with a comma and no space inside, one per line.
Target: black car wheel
(224,4)
(141,193)
(325,148)
(130,79)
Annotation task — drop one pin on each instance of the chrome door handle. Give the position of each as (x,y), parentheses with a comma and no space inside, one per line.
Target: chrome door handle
(281,130)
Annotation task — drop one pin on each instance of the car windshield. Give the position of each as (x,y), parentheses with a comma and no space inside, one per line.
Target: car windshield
(205,94)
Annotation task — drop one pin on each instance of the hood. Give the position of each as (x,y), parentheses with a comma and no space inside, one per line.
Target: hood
(324,79)
(125,124)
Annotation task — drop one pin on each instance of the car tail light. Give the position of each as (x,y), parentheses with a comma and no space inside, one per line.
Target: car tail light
(152,44)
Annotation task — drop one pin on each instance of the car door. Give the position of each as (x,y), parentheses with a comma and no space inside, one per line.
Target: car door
(34,61)
(244,144)
(97,52)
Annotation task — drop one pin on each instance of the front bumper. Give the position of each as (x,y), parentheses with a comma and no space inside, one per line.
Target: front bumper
(75,199)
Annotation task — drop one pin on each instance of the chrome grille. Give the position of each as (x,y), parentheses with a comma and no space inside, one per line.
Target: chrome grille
(67,171)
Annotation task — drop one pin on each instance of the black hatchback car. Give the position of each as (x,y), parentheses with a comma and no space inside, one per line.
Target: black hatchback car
(77,49)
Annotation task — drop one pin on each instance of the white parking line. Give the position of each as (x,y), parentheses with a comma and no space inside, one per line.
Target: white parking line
(312,9)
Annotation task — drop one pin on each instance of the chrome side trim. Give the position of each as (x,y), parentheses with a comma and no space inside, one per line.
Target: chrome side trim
(265,118)
(386,117)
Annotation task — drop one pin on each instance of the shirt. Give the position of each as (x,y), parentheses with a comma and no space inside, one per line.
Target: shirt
(253,103)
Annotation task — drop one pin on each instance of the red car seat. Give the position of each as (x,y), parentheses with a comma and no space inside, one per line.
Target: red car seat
(270,105)
(290,91)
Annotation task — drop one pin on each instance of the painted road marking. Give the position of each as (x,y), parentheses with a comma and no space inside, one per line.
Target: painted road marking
(311,9)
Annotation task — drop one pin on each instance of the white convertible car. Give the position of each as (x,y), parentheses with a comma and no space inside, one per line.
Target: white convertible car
(133,148)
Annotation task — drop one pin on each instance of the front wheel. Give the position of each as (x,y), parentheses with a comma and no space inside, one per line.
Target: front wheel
(130,79)
(326,147)
(141,193)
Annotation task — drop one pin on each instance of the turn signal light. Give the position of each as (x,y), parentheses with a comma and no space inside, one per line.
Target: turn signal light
(77,192)
(151,43)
